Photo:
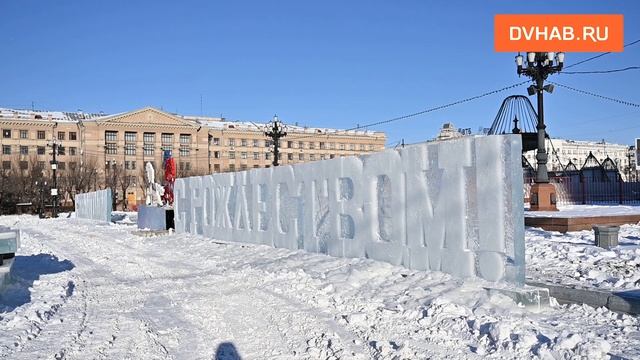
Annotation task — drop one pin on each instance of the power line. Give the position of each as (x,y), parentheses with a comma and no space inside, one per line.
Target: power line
(425,111)
(599,55)
(602,71)
(623,102)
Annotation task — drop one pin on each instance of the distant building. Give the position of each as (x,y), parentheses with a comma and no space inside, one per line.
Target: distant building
(561,152)
(449,131)
(126,141)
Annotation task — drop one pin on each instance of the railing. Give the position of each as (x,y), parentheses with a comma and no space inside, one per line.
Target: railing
(572,190)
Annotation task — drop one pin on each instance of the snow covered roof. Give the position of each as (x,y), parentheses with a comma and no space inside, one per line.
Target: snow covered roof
(60,116)
(210,122)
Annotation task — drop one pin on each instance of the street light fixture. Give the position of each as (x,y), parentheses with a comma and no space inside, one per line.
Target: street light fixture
(538,67)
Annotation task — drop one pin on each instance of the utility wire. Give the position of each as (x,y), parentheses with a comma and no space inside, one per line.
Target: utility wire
(623,102)
(599,55)
(425,111)
(602,71)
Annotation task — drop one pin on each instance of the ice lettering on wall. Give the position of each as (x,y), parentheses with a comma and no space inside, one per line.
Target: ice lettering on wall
(95,205)
(452,206)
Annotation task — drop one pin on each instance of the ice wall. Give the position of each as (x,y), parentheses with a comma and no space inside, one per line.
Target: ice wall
(94,205)
(454,206)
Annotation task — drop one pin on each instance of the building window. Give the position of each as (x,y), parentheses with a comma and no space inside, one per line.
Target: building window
(187,166)
(232,142)
(130,165)
(332,146)
(290,156)
(362,147)
(232,167)
(41,150)
(267,143)
(60,135)
(111,148)
(129,149)
(301,157)
(72,165)
(341,146)
(185,150)
(167,139)
(62,165)
(232,154)
(352,147)
(216,141)
(312,145)
(256,156)
(185,139)
(290,144)
(41,164)
(24,150)
(370,147)
(149,138)
(267,155)
(243,142)
(256,166)
(24,134)
(73,135)
(243,167)
(41,135)
(216,154)
(130,137)
(216,167)
(6,149)
(256,143)
(110,136)
(332,156)
(61,150)
(312,157)
(72,151)
(301,144)
(323,145)
(243,155)
(148,149)
(6,165)
(6,133)
(24,165)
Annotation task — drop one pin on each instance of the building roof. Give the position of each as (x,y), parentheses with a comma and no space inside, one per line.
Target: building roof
(210,122)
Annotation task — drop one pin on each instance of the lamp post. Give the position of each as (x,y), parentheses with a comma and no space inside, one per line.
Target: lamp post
(538,66)
(275,130)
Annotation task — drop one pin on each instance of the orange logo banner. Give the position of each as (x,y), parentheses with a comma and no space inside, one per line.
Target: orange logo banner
(550,32)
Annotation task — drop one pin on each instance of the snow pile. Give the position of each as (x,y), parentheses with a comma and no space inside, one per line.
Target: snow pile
(573,258)
(87,290)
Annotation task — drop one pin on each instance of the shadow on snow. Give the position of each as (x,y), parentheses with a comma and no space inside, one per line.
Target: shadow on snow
(24,272)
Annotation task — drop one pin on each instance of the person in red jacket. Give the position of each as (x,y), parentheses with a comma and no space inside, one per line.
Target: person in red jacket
(169,178)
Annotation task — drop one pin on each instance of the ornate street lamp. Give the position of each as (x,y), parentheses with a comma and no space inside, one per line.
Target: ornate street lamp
(275,130)
(538,66)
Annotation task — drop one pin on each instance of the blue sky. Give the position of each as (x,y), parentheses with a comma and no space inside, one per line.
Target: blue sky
(323,63)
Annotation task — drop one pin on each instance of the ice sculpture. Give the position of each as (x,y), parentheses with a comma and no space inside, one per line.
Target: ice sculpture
(154,190)
(95,205)
(453,206)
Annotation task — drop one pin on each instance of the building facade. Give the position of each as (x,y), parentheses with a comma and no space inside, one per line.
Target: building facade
(561,152)
(125,142)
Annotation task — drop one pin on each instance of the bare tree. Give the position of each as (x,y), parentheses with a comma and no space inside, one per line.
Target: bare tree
(79,177)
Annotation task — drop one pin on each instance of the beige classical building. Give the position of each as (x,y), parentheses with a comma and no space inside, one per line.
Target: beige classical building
(200,145)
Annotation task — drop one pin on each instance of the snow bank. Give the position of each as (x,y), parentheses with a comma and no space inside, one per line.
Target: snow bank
(454,206)
(95,205)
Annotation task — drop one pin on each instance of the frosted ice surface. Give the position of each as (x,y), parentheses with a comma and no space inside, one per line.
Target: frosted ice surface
(453,206)
(95,205)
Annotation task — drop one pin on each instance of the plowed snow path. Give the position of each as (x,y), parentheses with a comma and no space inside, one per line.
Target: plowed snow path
(88,291)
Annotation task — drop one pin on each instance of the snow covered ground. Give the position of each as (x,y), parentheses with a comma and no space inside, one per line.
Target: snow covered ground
(88,291)
(572,258)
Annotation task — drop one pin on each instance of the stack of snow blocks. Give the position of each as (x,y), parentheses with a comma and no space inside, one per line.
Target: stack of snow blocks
(155,218)
(9,243)
(95,205)
(454,206)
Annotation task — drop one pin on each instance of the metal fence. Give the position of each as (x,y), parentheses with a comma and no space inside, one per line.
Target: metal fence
(572,190)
